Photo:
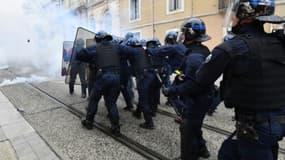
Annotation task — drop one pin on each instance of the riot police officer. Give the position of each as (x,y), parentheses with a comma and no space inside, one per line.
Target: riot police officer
(144,74)
(195,107)
(160,67)
(78,67)
(253,82)
(170,38)
(107,60)
(173,61)
(92,66)
(126,77)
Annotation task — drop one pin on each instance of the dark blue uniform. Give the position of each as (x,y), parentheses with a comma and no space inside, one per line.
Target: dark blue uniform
(145,76)
(107,84)
(258,100)
(165,59)
(78,67)
(126,77)
(125,80)
(195,107)
(175,59)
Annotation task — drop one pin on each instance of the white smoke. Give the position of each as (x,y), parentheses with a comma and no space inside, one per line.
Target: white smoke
(32,33)
(32,78)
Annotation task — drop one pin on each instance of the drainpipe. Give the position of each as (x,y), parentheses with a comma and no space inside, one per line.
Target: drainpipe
(192,8)
(153,29)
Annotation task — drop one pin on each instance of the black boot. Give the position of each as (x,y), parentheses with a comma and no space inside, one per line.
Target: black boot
(204,152)
(115,129)
(71,88)
(153,113)
(148,124)
(88,124)
(83,95)
(137,114)
(128,108)
(83,91)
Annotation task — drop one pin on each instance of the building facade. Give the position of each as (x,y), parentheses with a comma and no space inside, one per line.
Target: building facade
(100,14)
(154,18)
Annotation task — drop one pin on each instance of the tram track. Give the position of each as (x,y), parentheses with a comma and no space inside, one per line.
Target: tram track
(130,143)
(208,127)
(123,139)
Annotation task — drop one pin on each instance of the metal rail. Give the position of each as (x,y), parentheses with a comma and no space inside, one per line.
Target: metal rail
(208,127)
(130,143)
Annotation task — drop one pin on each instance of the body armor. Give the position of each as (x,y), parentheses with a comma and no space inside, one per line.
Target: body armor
(256,80)
(141,61)
(107,56)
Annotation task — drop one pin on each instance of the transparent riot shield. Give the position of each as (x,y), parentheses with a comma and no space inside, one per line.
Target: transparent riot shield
(75,67)
(66,56)
(90,42)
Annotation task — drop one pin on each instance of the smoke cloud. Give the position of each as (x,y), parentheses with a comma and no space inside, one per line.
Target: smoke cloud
(32,78)
(32,33)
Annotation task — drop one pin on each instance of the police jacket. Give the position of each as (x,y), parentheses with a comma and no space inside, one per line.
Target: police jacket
(253,68)
(173,53)
(175,59)
(195,56)
(140,61)
(105,54)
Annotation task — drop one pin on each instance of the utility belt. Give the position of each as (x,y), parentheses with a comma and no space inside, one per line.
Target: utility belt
(261,120)
(141,74)
(245,124)
(114,70)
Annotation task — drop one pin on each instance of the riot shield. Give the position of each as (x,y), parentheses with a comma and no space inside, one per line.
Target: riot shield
(90,42)
(74,65)
(66,56)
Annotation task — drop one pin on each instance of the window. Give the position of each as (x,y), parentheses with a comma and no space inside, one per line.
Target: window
(174,5)
(134,10)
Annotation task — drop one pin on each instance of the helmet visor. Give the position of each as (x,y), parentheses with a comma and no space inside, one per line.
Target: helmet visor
(180,37)
(230,15)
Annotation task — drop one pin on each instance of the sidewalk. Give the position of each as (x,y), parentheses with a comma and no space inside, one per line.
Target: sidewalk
(18,140)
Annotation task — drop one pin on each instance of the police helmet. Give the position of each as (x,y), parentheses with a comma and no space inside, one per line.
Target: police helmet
(117,40)
(194,29)
(171,37)
(261,10)
(143,42)
(129,35)
(102,35)
(134,42)
(99,36)
(152,43)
